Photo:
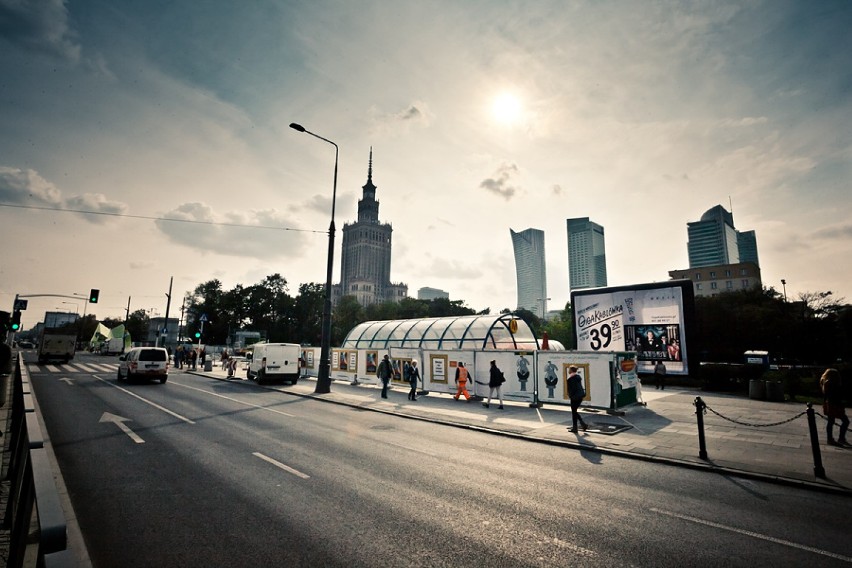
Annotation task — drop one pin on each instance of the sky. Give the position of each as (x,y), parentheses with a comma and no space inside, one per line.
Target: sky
(482,115)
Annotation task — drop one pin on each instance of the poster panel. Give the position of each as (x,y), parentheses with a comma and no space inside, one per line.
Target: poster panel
(439,370)
(310,356)
(344,364)
(516,366)
(552,376)
(402,358)
(650,319)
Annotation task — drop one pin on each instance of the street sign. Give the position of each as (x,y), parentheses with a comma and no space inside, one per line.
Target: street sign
(20,304)
(203,318)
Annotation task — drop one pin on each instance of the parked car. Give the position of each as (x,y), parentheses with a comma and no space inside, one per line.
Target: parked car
(149,362)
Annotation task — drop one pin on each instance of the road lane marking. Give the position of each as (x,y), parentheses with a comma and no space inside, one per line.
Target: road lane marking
(277,463)
(146,401)
(257,406)
(67,381)
(755,535)
(120,422)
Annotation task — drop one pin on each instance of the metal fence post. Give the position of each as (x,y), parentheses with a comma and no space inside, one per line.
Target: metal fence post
(699,412)
(819,471)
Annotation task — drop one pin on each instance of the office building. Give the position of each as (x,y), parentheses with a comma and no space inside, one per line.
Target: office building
(713,280)
(586,254)
(427,293)
(714,240)
(530,270)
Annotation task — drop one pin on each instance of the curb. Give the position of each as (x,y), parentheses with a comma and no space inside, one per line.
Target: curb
(674,462)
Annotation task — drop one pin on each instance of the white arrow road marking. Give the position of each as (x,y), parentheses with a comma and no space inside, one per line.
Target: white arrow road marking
(67,380)
(120,422)
(277,463)
(146,401)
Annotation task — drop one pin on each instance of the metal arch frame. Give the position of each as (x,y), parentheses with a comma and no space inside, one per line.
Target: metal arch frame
(425,331)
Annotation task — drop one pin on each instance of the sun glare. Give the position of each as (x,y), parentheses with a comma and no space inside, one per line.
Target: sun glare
(506,108)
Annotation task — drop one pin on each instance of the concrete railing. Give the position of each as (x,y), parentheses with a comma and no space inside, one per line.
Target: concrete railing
(33,517)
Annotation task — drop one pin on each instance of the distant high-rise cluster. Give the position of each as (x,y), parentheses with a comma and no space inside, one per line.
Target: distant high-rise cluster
(530,270)
(714,240)
(721,258)
(366,256)
(586,254)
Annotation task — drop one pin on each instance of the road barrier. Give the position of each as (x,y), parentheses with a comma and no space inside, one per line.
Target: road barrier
(701,409)
(33,514)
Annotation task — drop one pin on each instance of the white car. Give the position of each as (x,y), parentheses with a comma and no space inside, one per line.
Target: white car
(149,362)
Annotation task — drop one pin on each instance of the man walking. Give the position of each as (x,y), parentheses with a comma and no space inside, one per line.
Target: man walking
(384,372)
(461,382)
(413,378)
(660,374)
(495,382)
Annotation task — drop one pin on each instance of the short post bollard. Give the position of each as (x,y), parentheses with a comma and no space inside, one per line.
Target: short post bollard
(819,471)
(699,412)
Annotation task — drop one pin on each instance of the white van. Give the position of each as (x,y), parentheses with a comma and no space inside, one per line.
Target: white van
(275,362)
(149,362)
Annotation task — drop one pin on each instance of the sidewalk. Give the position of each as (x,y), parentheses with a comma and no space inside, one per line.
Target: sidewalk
(665,431)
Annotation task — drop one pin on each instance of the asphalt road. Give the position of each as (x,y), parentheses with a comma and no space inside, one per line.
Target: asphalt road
(208,473)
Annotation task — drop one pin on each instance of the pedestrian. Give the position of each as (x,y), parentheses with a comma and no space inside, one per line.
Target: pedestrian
(462,376)
(224,358)
(576,392)
(203,357)
(413,378)
(495,383)
(384,372)
(193,358)
(832,391)
(660,374)
(179,357)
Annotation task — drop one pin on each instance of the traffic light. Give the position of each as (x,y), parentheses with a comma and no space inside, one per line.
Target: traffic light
(197,335)
(93,296)
(16,321)
(5,317)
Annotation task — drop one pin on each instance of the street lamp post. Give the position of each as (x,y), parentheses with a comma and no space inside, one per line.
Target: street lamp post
(324,376)
(784,284)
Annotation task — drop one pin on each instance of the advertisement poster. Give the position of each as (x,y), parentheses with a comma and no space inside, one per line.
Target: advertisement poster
(650,319)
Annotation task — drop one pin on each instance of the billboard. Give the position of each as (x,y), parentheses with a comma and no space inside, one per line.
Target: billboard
(650,319)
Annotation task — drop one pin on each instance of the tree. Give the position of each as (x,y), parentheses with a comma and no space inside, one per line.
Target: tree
(347,315)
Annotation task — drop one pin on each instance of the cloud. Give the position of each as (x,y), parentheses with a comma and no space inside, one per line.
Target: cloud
(41,26)
(415,114)
(263,234)
(841,232)
(500,182)
(27,187)
(97,203)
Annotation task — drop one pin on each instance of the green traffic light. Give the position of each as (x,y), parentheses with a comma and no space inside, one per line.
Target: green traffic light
(197,335)
(16,326)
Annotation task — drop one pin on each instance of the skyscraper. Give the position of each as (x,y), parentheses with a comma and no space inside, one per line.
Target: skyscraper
(586,254)
(366,257)
(714,240)
(530,270)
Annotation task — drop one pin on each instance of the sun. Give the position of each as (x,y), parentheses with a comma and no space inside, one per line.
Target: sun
(506,108)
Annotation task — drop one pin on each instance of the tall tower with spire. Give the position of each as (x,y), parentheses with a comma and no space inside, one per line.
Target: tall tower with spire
(366,256)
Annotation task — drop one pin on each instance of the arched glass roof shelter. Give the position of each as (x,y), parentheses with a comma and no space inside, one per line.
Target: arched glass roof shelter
(487,333)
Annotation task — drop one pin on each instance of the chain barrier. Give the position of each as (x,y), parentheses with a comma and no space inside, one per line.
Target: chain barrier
(799,415)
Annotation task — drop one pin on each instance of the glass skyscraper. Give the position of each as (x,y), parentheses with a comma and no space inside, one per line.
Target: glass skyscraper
(715,241)
(530,270)
(586,254)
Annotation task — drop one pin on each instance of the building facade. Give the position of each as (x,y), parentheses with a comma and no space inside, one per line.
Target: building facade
(530,270)
(427,293)
(366,256)
(586,254)
(714,240)
(713,280)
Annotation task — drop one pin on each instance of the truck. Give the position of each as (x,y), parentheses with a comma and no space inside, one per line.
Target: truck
(57,337)
(112,346)
(275,362)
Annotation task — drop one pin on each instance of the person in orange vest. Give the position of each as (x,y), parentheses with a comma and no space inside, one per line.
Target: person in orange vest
(461,380)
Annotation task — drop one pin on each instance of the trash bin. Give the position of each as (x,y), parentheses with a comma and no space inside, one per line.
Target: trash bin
(775,391)
(757,389)
(208,366)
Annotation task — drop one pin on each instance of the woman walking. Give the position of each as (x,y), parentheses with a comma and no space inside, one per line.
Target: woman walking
(832,390)
(495,382)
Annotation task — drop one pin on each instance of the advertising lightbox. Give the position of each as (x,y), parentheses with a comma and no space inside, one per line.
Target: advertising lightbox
(651,319)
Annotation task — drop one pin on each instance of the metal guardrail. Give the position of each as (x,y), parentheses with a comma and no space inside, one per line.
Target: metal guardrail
(33,515)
